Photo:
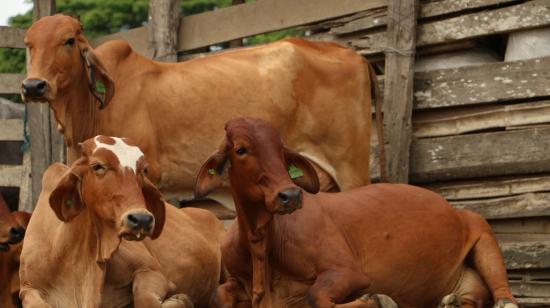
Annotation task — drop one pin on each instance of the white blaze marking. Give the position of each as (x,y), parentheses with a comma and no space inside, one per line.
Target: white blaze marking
(127,155)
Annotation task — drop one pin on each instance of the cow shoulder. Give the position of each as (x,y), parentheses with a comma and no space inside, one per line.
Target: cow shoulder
(52,175)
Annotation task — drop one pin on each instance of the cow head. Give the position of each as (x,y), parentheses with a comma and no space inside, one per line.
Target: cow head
(261,169)
(60,56)
(12,227)
(109,180)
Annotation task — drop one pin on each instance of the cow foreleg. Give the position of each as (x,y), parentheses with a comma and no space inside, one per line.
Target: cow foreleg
(31,298)
(150,289)
(231,295)
(335,286)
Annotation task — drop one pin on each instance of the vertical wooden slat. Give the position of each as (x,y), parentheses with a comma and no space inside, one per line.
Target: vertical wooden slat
(398,92)
(43,141)
(237,42)
(164,20)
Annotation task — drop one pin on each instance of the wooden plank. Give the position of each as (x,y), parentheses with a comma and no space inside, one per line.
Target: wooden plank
(513,18)
(260,17)
(376,18)
(485,83)
(533,302)
(398,87)
(434,123)
(524,205)
(11,130)
(522,225)
(164,21)
(538,289)
(10,83)
(522,251)
(11,175)
(497,187)
(479,155)
(12,37)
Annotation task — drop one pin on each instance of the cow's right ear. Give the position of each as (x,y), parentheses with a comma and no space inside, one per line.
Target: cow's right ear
(210,173)
(65,198)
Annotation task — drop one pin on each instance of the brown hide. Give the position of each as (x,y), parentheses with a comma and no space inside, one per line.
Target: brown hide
(9,255)
(318,94)
(399,240)
(90,241)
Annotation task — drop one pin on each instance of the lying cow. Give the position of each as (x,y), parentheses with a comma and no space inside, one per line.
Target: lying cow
(74,253)
(317,93)
(12,230)
(399,240)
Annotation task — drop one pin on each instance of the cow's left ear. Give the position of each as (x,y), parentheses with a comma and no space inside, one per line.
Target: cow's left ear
(301,171)
(210,173)
(155,204)
(95,68)
(65,199)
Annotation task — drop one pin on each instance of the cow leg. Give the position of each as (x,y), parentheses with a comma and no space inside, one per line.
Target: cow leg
(31,298)
(489,263)
(150,289)
(231,294)
(335,286)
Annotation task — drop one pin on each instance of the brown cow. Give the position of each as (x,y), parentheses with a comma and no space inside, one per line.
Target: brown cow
(317,93)
(394,239)
(12,230)
(74,255)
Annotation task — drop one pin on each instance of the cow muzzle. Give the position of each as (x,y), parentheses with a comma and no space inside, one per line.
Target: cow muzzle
(34,90)
(288,200)
(137,225)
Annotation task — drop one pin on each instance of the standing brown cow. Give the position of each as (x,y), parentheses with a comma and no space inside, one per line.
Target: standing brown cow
(399,240)
(317,93)
(90,240)
(12,230)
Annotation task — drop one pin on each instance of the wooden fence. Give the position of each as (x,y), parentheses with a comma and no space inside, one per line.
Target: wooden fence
(476,134)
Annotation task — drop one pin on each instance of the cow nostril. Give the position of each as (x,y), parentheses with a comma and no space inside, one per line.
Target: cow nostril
(34,87)
(283,197)
(41,85)
(140,221)
(133,221)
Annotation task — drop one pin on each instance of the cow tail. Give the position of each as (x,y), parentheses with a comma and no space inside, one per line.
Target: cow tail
(375,88)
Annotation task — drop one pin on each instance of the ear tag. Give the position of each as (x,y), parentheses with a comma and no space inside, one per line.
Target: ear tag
(99,86)
(295,172)
(69,202)
(212,171)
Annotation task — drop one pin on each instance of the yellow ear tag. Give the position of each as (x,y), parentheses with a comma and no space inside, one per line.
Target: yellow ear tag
(69,202)
(295,172)
(212,171)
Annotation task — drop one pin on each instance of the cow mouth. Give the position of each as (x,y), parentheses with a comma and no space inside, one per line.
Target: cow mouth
(285,210)
(38,100)
(134,236)
(4,247)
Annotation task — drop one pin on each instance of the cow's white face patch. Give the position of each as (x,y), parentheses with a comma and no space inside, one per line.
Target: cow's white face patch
(128,155)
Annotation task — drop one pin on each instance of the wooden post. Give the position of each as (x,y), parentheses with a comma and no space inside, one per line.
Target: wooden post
(398,92)
(237,42)
(164,20)
(47,144)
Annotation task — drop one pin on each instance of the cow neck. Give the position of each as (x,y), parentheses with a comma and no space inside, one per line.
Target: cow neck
(76,111)
(256,224)
(85,245)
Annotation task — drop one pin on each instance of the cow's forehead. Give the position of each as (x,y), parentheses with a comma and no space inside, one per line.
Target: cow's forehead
(128,155)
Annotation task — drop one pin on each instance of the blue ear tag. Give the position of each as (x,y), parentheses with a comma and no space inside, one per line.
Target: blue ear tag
(212,171)
(69,202)
(295,172)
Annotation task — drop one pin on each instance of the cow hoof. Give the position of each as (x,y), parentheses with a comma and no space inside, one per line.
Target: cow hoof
(505,303)
(380,300)
(178,301)
(451,301)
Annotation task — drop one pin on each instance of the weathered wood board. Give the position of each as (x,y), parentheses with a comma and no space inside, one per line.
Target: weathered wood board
(485,83)
(496,187)
(480,155)
(11,130)
(12,37)
(11,175)
(512,18)
(524,205)
(455,121)
(525,252)
(10,83)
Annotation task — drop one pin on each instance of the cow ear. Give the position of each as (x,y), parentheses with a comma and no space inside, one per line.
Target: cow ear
(65,198)
(210,173)
(155,204)
(95,68)
(301,171)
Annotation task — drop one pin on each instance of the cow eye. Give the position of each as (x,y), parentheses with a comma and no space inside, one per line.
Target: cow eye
(98,169)
(240,151)
(69,42)
(145,170)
